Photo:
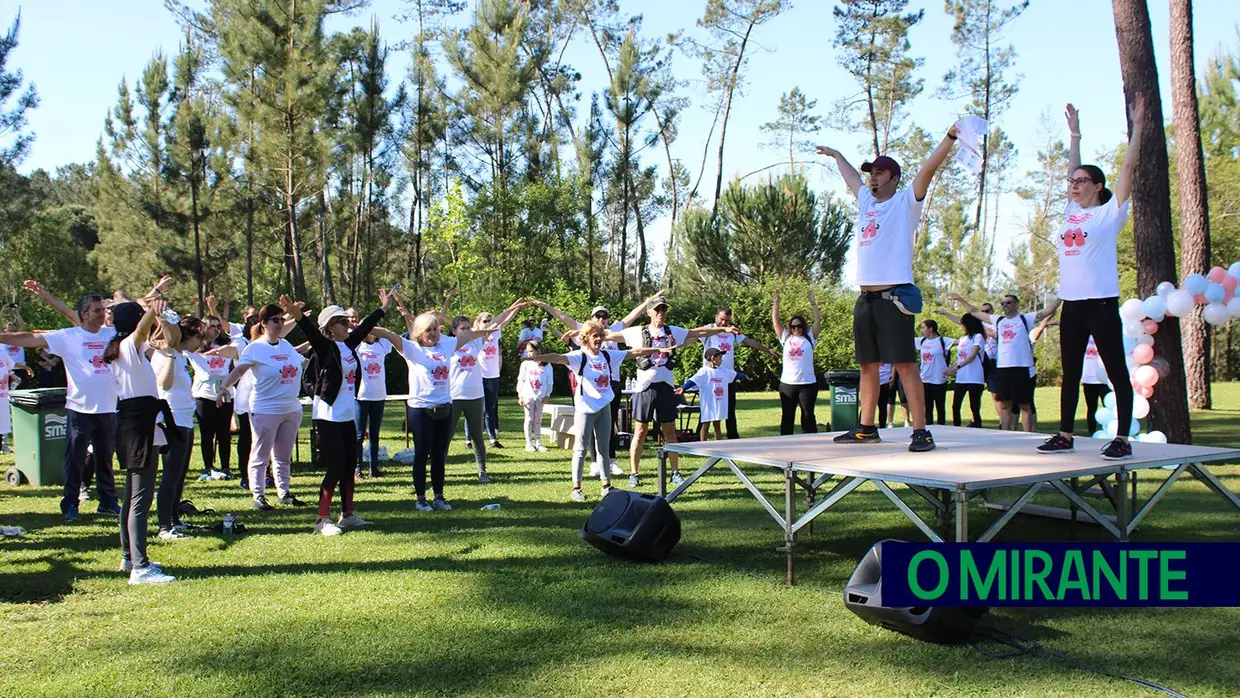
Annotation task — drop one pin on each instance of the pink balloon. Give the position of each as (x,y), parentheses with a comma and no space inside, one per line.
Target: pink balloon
(1216,275)
(1143,353)
(1145,392)
(1146,376)
(1230,283)
(1151,327)
(1200,299)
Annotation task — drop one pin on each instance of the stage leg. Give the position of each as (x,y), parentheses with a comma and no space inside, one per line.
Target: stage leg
(1121,504)
(961,497)
(790,498)
(1076,484)
(662,472)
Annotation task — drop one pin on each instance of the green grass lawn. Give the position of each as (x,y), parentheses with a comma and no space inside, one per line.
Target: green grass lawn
(512,602)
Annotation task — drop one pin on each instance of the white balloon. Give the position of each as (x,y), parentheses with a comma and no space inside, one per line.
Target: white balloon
(1133,329)
(1155,307)
(1166,287)
(1216,314)
(1159,317)
(1112,428)
(1234,269)
(1140,407)
(1180,303)
(1233,306)
(1133,310)
(1145,339)
(1100,434)
(1103,415)
(1155,437)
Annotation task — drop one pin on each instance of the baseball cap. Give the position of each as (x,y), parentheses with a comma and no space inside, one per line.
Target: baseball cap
(882,162)
(330,313)
(599,309)
(712,352)
(660,304)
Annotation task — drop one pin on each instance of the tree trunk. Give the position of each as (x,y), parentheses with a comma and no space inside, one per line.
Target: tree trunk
(624,206)
(198,270)
(723,128)
(1194,206)
(249,243)
(329,291)
(981,179)
(1152,237)
(639,274)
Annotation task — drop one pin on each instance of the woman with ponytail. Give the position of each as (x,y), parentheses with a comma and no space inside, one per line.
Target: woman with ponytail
(171,365)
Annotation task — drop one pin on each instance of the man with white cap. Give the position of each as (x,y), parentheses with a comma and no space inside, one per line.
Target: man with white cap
(883,317)
(602,314)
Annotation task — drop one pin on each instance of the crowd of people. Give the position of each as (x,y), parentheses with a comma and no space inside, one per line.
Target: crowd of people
(141,380)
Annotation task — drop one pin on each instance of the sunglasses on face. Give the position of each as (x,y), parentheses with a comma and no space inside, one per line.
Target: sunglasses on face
(796,327)
(276,320)
(603,316)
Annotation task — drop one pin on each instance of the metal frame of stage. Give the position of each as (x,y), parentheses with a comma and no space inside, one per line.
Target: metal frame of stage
(966,463)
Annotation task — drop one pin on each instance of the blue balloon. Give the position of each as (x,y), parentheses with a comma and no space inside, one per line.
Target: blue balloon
(1194,284)
(1130,343)
(1109,401)
(1101,434)
(1104,415)
(1134,428)
(1215,293)
(1112,428)
(1234,269)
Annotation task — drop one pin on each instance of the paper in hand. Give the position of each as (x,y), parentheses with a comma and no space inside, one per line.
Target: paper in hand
(969,137)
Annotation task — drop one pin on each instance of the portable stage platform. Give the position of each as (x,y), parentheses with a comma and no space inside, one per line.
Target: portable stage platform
(967,463)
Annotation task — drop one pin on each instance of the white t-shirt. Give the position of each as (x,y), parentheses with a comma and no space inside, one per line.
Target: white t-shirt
(6,367)
(885,238)
(992,342)
(713,386)
(277,376)
(534,382)
(430,374)
(209,374)
(180,397)
(529,335)
(727,343)
(884,373)
(972,373)
(345,406)
(1088,267)
(798,359)
(1015,348)
(659,337)
(244,389)
(17,355)
(933,358)
(466,373)
(132,373)
(490,358)
(1092,371)
(373,387)
(91,387)
(594,382)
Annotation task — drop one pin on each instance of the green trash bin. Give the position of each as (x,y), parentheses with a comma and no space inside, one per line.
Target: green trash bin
(40,433)
(845,403)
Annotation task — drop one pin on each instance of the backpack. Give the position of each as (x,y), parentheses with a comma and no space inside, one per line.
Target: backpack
(644,362)
(581,368)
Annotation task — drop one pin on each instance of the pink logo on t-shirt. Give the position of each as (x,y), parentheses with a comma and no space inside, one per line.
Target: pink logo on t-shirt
(718,391)
(1079,218)
(795,351)
(1009,335)
(351,378)
(927,358)
(468,360)
(1074,237)
(489,349)
(373,369)
(725,347)
(868,233)
(215,362)
(96,360)
(536,384)
(602,380)
(288,371)
(440,372)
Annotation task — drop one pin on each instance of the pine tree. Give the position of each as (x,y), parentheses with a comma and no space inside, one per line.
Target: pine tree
(13,118)
(794,123)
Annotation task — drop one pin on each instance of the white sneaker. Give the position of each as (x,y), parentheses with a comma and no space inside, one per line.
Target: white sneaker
(172,535)
(440,504)
(606,490)
(327,528)
(540,448)
(150,575)
(529,448)
(421,505)
(352,521)
(127,566)
(615,468)
(577,495)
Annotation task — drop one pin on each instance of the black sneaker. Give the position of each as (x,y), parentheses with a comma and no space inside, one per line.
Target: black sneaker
(289,500)
(1118,449)
(260,504)
(859,435)
(496,444)
(922,441)
(1058,444)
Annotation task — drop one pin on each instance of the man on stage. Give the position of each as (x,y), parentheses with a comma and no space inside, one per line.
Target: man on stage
(884,313)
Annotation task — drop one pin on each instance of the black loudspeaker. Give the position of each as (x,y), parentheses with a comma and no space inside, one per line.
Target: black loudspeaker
(952,625)
(634,526)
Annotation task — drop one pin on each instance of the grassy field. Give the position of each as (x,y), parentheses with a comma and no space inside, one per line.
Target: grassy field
(474,602)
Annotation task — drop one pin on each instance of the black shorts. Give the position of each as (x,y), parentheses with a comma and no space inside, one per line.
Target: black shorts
(882,332)
(655,404)
(1013,385)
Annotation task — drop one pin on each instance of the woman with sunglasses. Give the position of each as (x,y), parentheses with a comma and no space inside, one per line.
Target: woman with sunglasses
(171,367)
(1089,282)
(275,412)
(798,383)
(214,423)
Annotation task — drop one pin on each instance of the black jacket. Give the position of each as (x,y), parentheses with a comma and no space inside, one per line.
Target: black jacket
(325,361)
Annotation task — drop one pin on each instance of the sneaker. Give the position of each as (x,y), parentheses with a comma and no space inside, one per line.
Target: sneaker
(245,485)
(615,468)
(529,448)
(595,469)
(677,478)
(83,493)
(352,521)
(421,505)
(112,509)
(859,435)
(71,514)
(1118,449)
(357,475)
(577,495)
(922,441)
(376,473)
(325,527)
(172,535)
(205,477)
(289,500)
(484,478)
(260,504)
(440,504)
(496,444)
(469,445)
(540,448)
(224,474)
(634,482)
(150,575)
(607,489)
(127,565)
(1057,444)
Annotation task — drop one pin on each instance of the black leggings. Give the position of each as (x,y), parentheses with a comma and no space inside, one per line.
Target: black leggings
(338,449)
(215,425)
(430,442)
(1097,317)
(1094,393)
(936,399)
(245,439)
(974,391)
(886,399)
(792,395)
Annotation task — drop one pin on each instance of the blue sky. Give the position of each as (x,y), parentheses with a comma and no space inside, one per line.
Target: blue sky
(76,52)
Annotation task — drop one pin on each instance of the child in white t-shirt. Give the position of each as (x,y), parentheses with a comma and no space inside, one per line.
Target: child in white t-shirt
(6,376)
(713,383)
(534,384)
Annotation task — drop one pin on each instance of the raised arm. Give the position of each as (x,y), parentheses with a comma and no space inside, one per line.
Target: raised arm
(1123,186)
(921,184)
(755,344)
(398,342)
(636,313)
(368,323)
(851,177)
(1046,313)
(467,336)
(708,331)
(1074,138)
(228,351)
(947,316)
(775,322)
(549,359)
(142,333)
(647,351)
(558,314)
(969,307)
(35,288)
(29,340)
(231,380)
(214,311)
(817,314)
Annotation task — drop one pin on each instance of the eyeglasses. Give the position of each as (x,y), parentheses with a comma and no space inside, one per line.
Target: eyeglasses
(1007,302)
(1073,181)
(277,320)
